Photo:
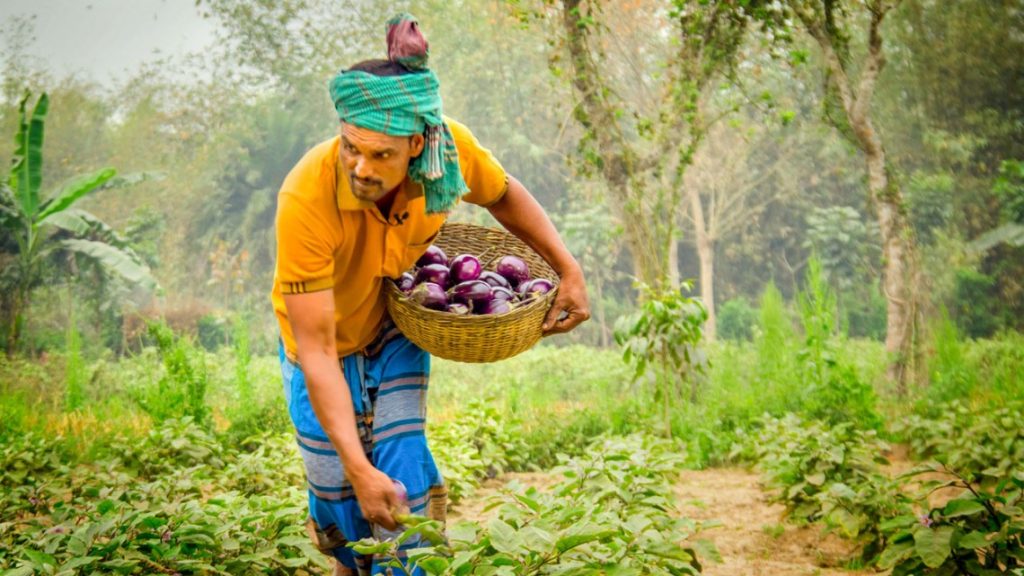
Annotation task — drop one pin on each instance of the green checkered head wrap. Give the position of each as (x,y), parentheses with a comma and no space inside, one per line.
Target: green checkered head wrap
(404,105)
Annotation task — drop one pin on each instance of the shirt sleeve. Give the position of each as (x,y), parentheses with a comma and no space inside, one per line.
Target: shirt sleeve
(484,175)
(305,255)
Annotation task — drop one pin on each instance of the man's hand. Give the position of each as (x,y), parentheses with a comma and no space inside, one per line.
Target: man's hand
(571,306)
(377,497)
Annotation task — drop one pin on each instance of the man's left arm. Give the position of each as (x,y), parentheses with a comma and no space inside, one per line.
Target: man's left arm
(520,213)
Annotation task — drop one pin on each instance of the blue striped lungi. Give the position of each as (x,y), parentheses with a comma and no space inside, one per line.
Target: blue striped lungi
(388,383)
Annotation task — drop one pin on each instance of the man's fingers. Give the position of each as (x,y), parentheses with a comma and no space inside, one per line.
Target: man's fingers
(553,316)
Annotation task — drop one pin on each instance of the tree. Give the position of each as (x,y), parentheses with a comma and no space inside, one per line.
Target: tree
(729,185)
(643,108)
(850,86)
(34,229)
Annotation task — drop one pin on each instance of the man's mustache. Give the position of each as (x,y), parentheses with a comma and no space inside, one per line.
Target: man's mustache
(366,182)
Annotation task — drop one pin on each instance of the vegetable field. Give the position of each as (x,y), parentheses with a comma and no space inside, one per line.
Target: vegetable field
(556,461)
(792,231)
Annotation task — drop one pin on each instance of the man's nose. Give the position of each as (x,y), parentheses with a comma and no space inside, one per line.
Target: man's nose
(362,169)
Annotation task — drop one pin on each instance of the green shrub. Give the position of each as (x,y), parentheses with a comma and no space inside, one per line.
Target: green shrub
(828,473)
(181,389)
(981,531)
(736,320)
(976,304)
(834,390)
(610,514)
(213,331)
(950,376)
(985,444)
(865,313)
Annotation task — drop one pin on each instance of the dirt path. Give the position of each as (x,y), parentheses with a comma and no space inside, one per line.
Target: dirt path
(752,538)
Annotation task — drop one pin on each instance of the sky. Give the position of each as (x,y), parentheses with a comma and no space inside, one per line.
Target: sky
(105,40)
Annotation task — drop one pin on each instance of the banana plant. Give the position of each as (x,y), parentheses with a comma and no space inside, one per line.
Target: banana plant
(34,228)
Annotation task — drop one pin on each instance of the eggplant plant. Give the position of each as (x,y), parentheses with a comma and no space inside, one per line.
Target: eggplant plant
(665,332)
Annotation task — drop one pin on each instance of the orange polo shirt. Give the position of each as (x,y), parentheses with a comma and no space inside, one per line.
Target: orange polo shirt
(327,239)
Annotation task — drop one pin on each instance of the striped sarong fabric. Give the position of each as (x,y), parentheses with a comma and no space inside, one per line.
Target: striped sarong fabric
(388,382)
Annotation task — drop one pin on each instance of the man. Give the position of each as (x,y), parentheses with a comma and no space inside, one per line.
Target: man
(356,209)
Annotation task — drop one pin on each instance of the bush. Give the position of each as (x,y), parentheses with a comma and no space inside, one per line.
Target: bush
(736,320)
(979,532)
(975,304)
(181,390)
(610,514)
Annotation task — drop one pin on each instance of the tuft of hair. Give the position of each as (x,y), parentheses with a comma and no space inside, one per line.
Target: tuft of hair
(380,67)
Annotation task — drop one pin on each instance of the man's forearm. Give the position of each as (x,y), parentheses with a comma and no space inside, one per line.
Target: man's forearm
(332,402)
(520,213)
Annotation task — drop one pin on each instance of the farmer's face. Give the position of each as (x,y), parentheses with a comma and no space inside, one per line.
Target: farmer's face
(376,163)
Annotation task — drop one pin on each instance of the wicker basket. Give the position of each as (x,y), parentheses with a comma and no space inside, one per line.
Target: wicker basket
(484,338)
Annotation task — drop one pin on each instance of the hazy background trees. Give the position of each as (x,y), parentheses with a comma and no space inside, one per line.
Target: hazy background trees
(670,140)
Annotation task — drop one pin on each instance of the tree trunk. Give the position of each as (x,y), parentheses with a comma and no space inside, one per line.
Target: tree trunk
(898,249)
(706,255)
(897,252)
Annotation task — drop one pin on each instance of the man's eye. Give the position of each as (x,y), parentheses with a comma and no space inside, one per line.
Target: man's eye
(384,155)
(350,148)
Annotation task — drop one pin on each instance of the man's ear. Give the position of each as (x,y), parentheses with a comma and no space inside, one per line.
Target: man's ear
(416,142)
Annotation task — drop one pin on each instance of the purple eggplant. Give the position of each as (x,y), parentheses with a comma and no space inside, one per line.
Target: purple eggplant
(433,255)
(535,287)
(459,309)
(494,279)
(430,295)
(471,291)
(465,267)
(514,269)
(502,293)
(494,306)
(436,273)
(406,282)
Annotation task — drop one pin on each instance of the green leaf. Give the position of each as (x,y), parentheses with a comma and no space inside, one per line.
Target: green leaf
(113,259)
(432,565)
(40,558)
(816,479)
(571,541)
(895,554)
(105,506)
(463,532)
(962,508)
(973,541)
(27,174)
(503,537)
(74,190)
(932,545)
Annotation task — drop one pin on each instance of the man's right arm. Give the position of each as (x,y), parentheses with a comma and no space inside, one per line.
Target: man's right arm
(312,320)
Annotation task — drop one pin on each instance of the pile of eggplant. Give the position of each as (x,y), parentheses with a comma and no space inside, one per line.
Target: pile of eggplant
(461,285)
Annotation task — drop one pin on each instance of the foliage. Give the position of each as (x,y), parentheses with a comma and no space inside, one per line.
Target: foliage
(181,389)
(666,333)
(736,320)
(479,444)
(950,376)
(610,513)
(834,392)
(30,220)
(177,502)
(974,308)
(981,531)
(829,474)
(74,369)
(986,444)
(842,242)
